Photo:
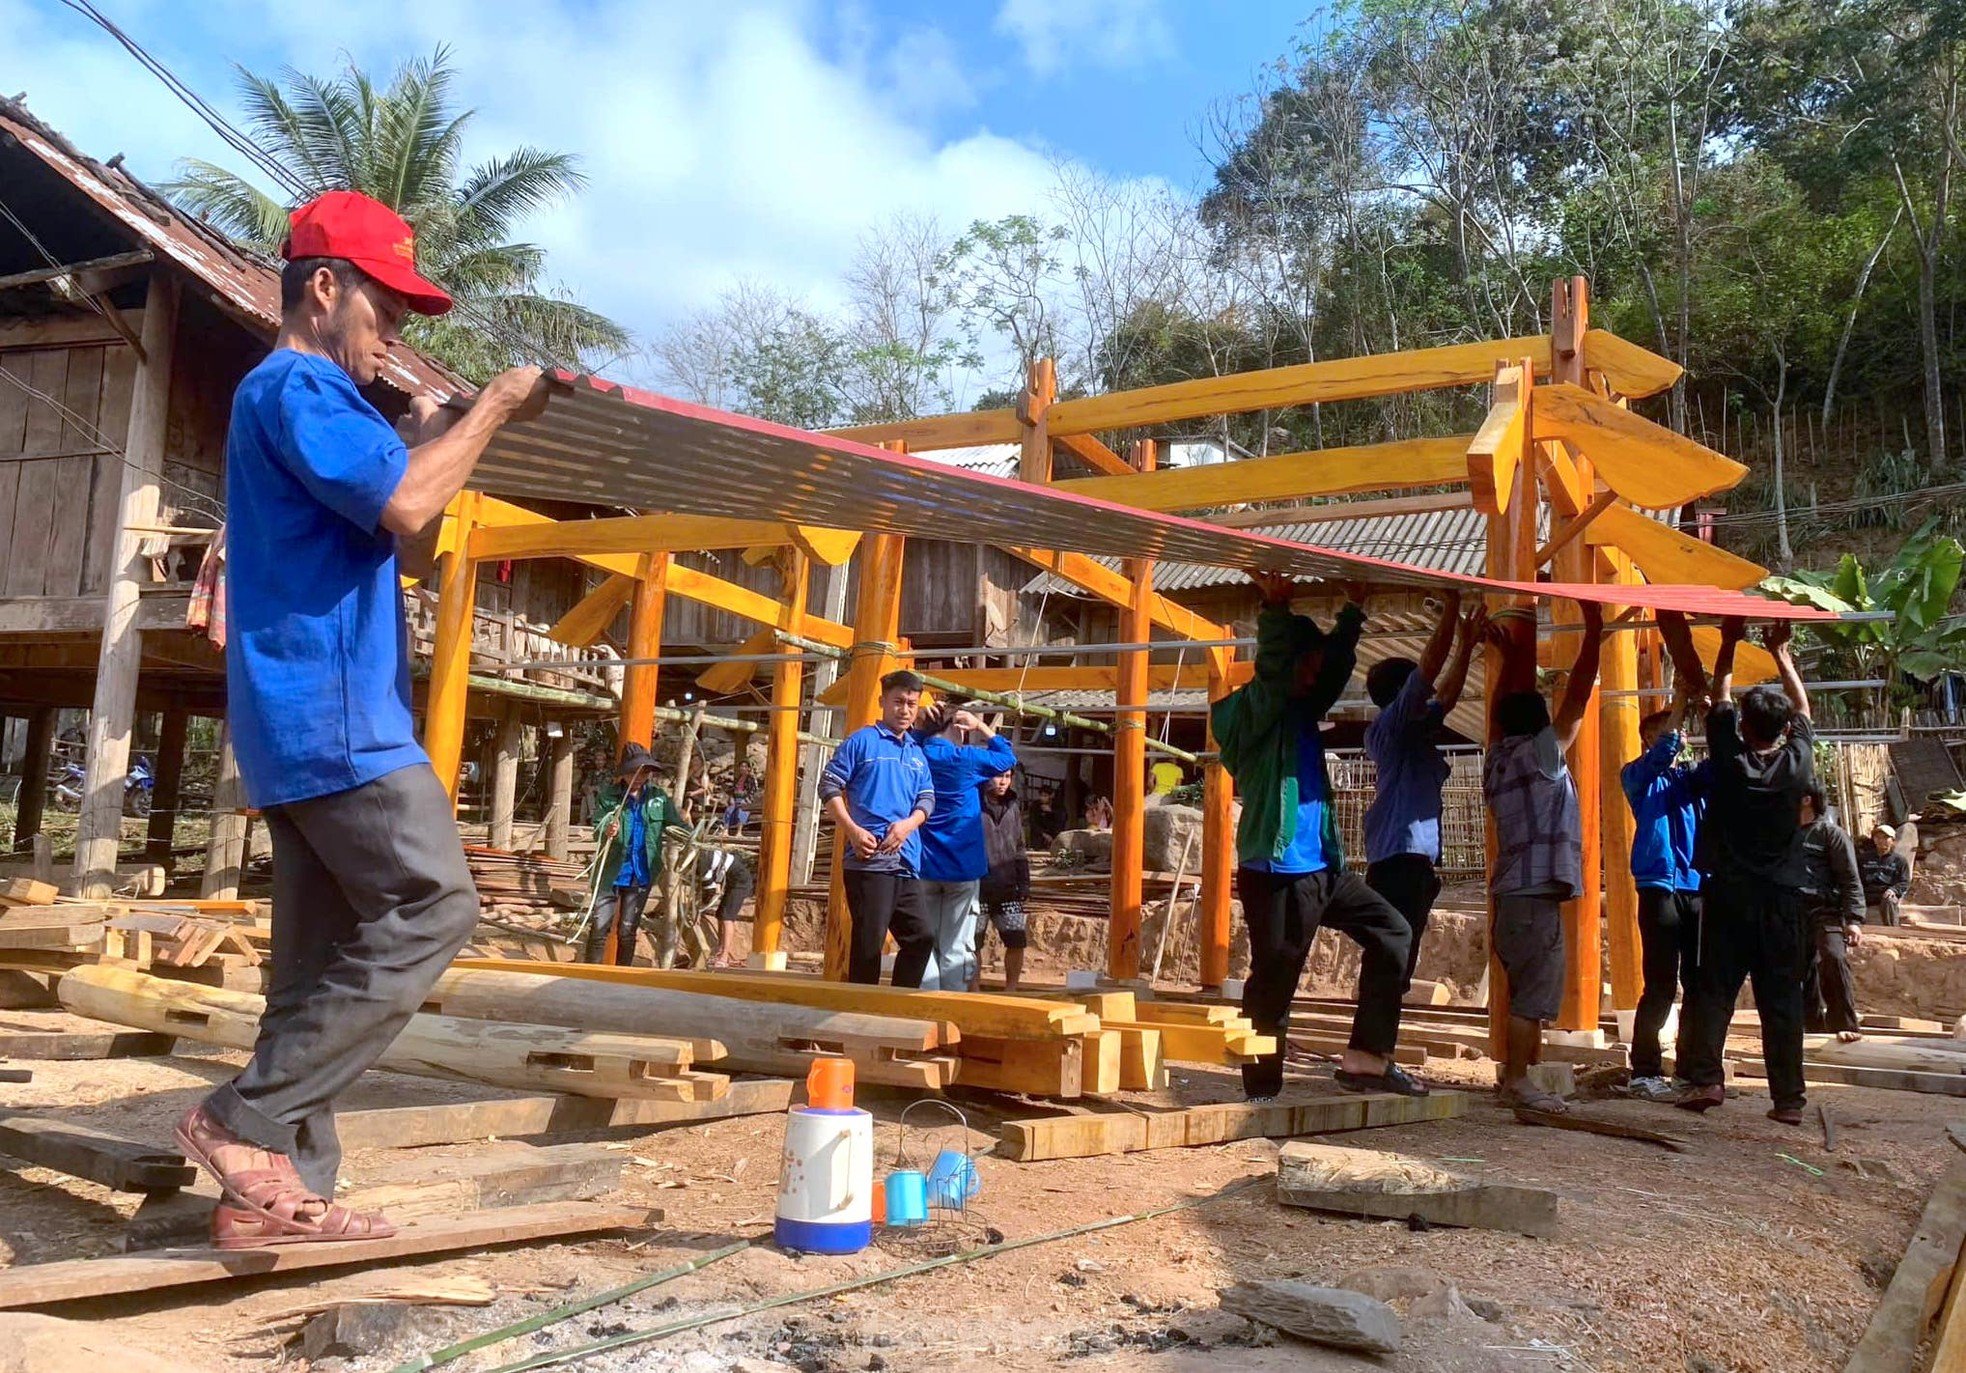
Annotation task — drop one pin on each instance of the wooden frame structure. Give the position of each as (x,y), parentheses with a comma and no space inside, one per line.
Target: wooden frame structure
(1559,447)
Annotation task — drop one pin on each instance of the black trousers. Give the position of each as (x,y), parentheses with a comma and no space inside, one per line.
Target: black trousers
(371,901)
(1669,943)
(880,903)
(1750,929)
(1829,992)
(617,907)
(1410,885)
(1283,914)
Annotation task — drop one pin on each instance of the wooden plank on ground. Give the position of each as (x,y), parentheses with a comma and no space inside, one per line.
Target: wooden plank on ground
(1371,1183)
(1125,1131)
(1212,1044)
(1598,1125)
(404,1127)
(119,1164)
(73,1046)
(25,891)
(1887,1079)
(1911,1301)
(48,1284)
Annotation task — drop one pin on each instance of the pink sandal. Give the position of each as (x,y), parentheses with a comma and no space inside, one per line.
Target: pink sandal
(264,1206)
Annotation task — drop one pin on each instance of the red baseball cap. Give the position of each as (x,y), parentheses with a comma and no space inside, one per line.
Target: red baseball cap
(364,231)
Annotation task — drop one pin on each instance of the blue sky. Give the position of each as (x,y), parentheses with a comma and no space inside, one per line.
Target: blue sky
(724,139)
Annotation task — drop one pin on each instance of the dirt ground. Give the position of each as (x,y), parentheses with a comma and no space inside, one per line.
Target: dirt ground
(1757,1249)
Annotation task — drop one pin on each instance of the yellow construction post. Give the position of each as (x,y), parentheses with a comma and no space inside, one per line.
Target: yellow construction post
(876,629)
(1620,712)
(1583,931)
(781,791)
(1130,759)
(1218,840)
(638,680)
(450,658)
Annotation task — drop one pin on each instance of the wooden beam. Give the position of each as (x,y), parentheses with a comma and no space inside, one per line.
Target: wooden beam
(1646,463)
(781,781)
(1494,455)
(1371,1183)
(829,547)
(1903,1317)
(1132,1130)
(1285,476)
(1629,369)
(639,678)
(742,601)
(1218,835)
(99,828)
(623,534)
(1098,455)
(39,275)
(1114,588)
(588,620)
(1576,525)
(157,608)
(1040,390)
(1130,761)
(119,1164)
(1619,714)
(1668,556)
(48,1284)
(721,679)
(968,429)
(449,693)
(1337,512)
(1160,677)
(1382,374)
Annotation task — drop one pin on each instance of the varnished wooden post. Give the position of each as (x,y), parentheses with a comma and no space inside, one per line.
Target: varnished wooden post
(1620,713)
(99,828)
(1040,389)
(1130,760)
(450,656)
(1576,562)
(781,790)
(876,630)
(1218,840)
(638,681)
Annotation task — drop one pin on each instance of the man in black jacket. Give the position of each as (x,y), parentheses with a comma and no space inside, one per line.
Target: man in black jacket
(1886,876)
(1832,919)
(1007,885)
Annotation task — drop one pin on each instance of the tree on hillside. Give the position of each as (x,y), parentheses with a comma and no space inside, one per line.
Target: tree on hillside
(403,144)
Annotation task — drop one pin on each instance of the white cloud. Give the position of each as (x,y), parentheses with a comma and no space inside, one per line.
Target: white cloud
(1112,34)
(721,141)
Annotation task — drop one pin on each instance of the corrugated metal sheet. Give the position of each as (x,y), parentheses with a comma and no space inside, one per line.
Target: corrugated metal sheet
(602,443)
(249,285)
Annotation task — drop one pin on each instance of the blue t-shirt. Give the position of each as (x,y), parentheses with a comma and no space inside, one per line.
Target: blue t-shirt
(884,778)
(1305,853)
(634,842)
(1404,814)
(952,840)
(317,661)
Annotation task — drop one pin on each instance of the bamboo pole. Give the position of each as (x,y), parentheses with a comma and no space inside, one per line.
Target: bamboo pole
(450,658)
(876,629)
(1576,561)
(1130,761)
(781,791)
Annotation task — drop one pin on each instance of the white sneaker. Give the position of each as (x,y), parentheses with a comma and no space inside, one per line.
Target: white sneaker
(1652,1089)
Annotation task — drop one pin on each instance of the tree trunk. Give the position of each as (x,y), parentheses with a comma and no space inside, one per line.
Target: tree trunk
(1928,340)
(1784,552)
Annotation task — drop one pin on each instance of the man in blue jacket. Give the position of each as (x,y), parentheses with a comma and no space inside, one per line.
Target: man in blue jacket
(635,810)
(954,859)
(878,791)
(1667,803)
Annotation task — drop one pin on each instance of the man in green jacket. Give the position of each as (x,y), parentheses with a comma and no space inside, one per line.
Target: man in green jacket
(1291,875)
(628,838)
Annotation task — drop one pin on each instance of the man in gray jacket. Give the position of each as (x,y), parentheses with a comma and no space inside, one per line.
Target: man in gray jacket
(1833,918)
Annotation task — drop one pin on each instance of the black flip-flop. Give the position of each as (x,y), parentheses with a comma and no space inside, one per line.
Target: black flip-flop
(1394,1080)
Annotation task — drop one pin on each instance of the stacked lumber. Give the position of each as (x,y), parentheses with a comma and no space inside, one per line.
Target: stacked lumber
(192,946)
(997,1042)
(492,1053)
(517,885)
(34,917)
(1126,1130)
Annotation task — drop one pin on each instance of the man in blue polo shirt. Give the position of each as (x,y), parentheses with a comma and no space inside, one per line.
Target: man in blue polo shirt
(371,895)
(878,790)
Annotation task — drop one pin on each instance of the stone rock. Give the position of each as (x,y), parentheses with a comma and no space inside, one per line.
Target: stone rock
(359,1328)
(1093,848)
(1445,1305)
(1396,1284)
(47,1344)
(1559,1079)
(1165,832)
(1322,1315)
(1487,1308)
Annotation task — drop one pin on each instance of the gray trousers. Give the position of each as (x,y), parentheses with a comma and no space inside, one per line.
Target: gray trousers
(371,901)
(950,909)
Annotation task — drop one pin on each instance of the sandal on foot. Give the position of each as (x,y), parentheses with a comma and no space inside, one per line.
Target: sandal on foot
(234,1227)
(1524,1097)
(1394,1079)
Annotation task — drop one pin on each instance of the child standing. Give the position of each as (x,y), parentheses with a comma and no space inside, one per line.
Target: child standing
(1008,884)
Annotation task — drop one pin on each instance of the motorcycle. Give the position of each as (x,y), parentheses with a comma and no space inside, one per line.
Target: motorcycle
(139,786)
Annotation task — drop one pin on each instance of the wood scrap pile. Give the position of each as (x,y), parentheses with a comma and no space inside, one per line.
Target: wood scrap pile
(776,1022)
(35,919)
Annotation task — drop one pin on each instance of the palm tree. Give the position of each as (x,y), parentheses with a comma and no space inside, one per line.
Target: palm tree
(402,146)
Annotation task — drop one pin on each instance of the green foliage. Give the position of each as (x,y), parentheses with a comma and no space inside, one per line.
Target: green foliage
(1920,640)
(403,145)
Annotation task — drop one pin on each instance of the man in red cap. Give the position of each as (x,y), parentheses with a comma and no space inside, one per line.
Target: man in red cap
(371,895)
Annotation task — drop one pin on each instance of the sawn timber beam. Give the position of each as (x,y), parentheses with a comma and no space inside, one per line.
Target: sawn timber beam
(1101,581)
(1285,476)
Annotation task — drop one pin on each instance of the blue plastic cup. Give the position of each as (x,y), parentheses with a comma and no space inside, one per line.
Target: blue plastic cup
(907,1199)
(952,1179)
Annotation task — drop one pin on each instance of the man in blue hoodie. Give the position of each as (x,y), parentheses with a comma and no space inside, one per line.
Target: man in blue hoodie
(1667,802)
(954,859)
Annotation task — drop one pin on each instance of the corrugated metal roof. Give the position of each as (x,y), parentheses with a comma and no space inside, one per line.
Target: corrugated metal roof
(599,442)
(249,285)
